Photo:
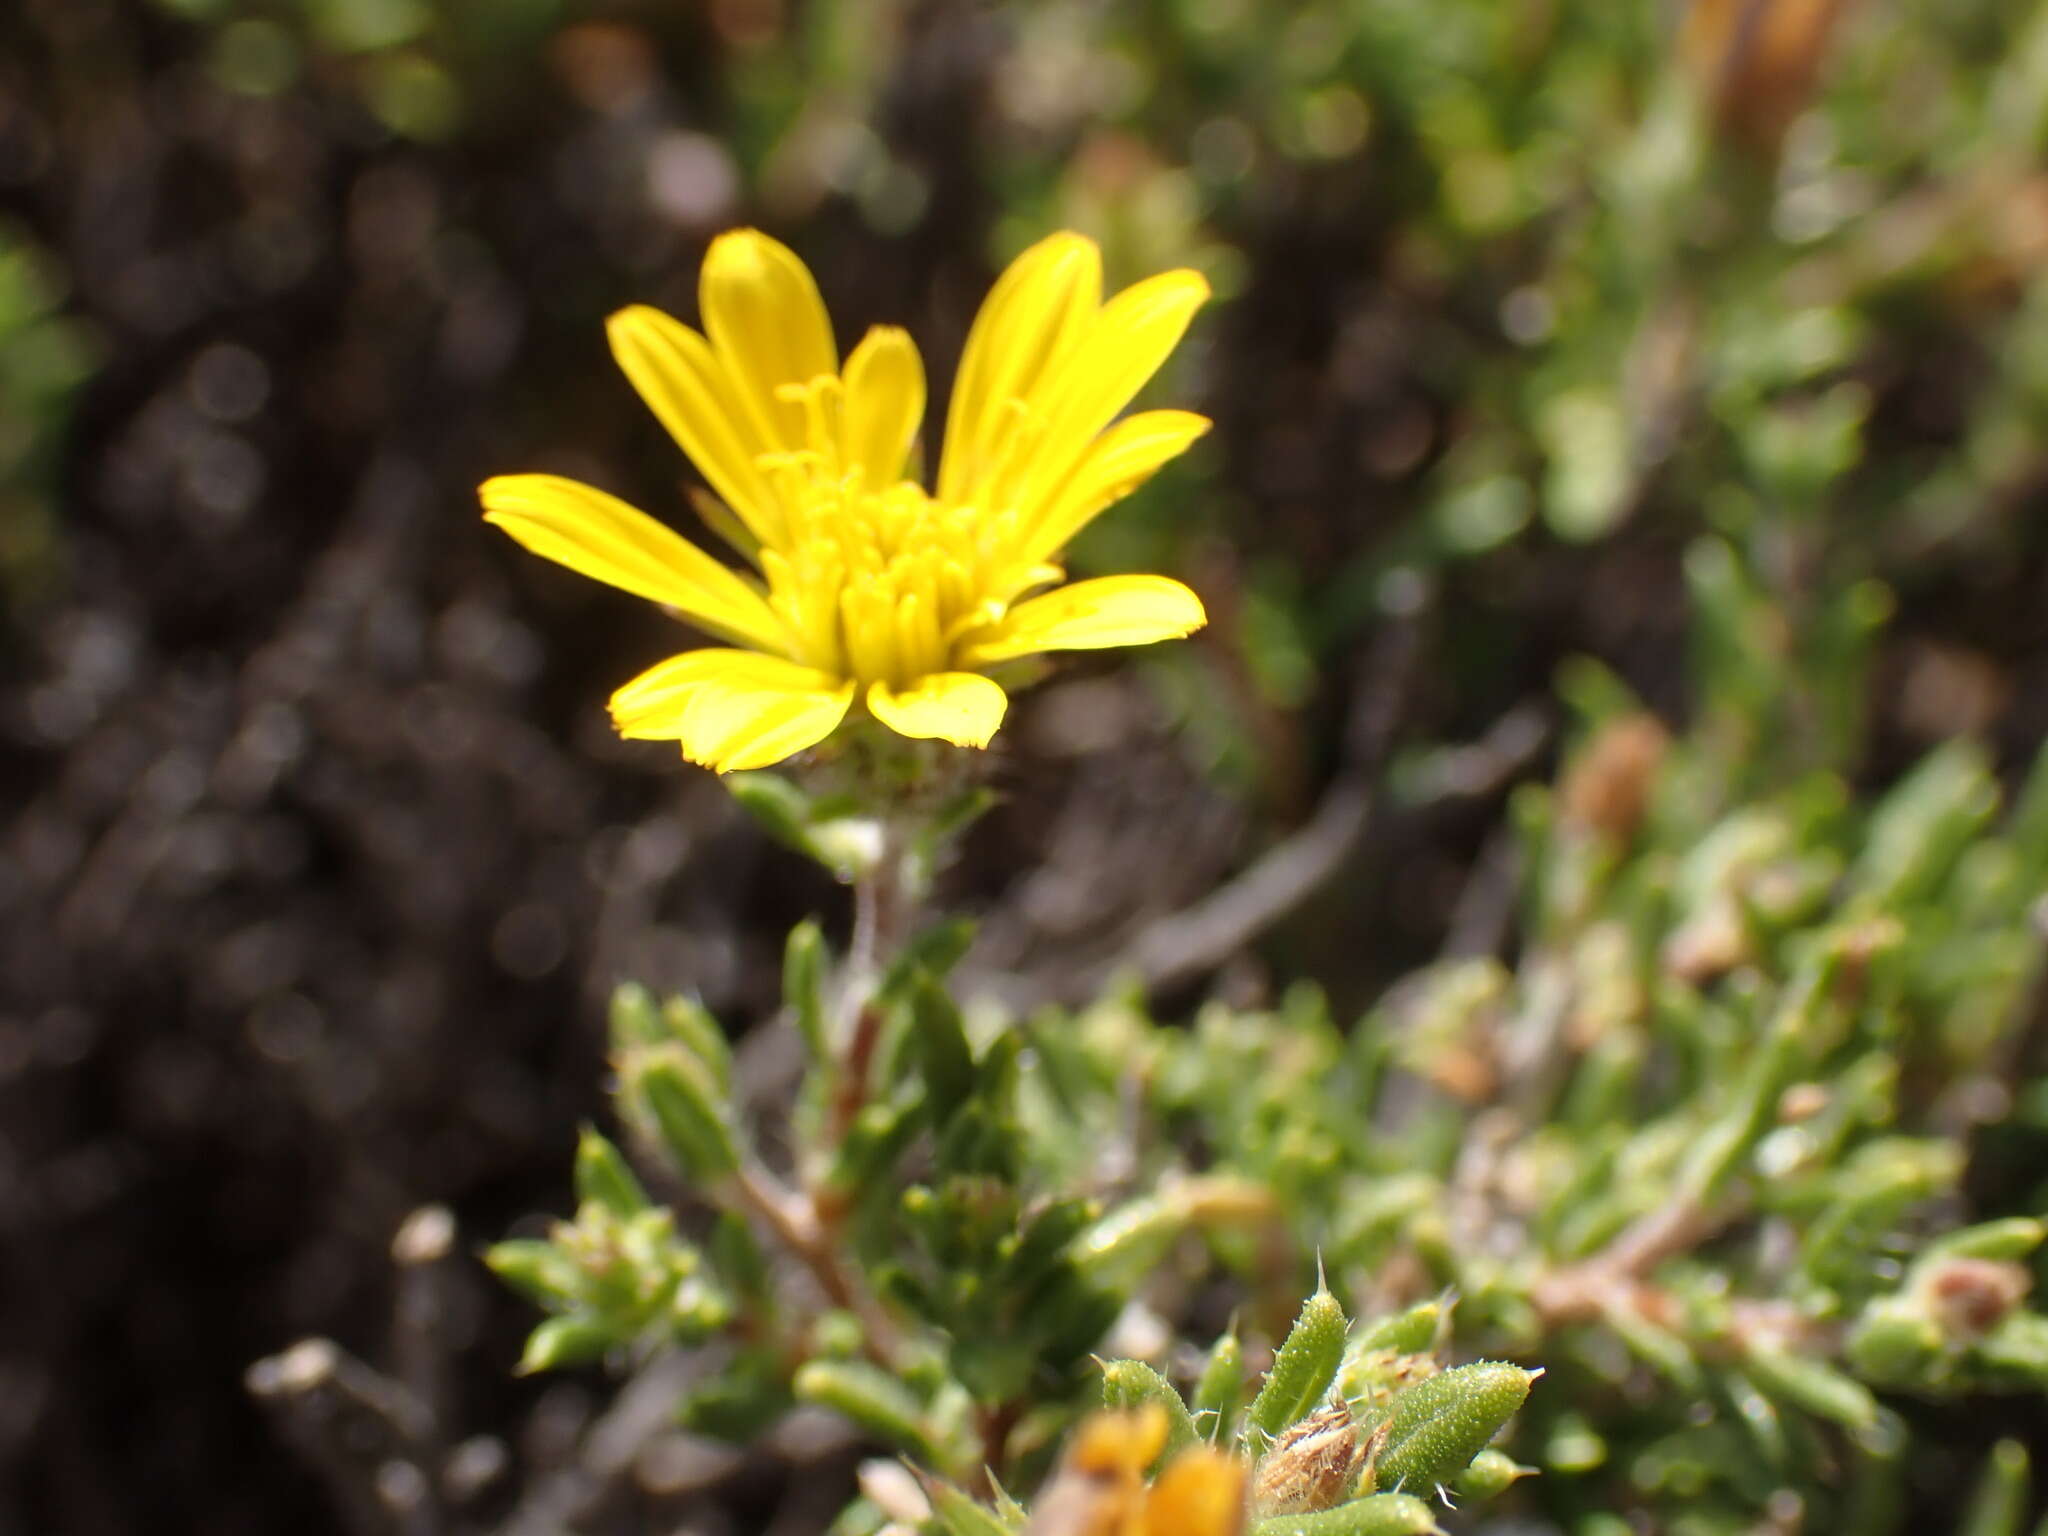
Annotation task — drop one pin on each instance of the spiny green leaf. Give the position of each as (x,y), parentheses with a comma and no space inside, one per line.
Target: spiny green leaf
(1379,1514)
(1304,1367)
(1220,1388)
(1437,1426)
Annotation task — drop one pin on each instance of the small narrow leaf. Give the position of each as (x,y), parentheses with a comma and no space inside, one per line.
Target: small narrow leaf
(876,1401)
(560,1341)
(603,1176)
(1220,1390)
(680,1101)
(803,986)
(959,1515)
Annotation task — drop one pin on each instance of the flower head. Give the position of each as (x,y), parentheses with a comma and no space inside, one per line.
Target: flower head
(864,585)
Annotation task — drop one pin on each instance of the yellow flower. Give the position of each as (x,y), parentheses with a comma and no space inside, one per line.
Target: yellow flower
(1101,1488)
(863,583)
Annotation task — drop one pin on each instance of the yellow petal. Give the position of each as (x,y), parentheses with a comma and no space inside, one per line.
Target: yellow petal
(1031,320)
(581,527)
(1201,1493)
(884,404)
(1135,333)
(961,707)
(1088,616)
(732,709)
(763,314)
(1118,462)
(688,389)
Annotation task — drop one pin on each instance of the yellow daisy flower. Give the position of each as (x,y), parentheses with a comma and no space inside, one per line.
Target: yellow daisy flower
(863,583)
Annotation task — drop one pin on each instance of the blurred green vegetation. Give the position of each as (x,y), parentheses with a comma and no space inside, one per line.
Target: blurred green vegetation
(1709,335)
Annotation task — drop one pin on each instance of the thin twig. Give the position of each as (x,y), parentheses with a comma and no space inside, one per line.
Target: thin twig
(798,1224)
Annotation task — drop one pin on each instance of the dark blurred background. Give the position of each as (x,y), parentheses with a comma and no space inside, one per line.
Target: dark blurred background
(317,859)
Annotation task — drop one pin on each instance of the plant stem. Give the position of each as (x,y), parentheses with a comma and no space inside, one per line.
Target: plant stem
(796,1220)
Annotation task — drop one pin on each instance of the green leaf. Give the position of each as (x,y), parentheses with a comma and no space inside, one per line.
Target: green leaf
(1811,1384)
(1999,1506)
(959,1515)
(1220,1389)
(634,1018)
(604,1176)
(1304,1367)
(1490,1474)
(803,986)
(537,1270)
(1437,1426)
(1412,1332)
(570,1340)
(681,1102)
(1379,1514)
(690,1022)
(945,1060)
(871,1398)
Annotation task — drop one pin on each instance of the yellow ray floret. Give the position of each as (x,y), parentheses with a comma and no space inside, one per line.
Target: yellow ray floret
(865,588)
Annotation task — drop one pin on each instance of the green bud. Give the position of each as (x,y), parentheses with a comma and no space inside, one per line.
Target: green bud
(1437,1426)
(959,1515)
(1131,1384)
(1220,1389)
(1305,1366)
(1490,1474)
(568,1340)
(689,1021)
(537,1270)
(870,1398)
(603,1176)
(1811,1384)
(1999,1505)
(680,1100)
(803,986)
(1380,1514)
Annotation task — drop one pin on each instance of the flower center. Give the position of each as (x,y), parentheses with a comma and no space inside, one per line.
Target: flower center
(876,582)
